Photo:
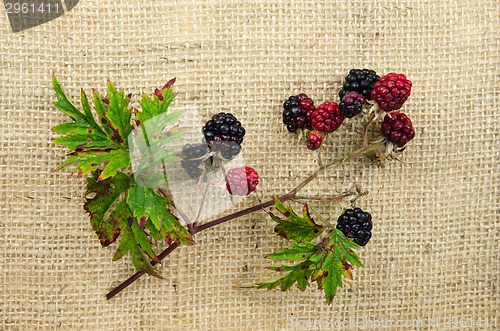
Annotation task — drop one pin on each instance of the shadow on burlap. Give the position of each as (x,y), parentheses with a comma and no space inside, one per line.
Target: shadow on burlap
(435,247)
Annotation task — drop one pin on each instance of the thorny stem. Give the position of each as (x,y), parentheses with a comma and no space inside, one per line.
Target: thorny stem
(289,196)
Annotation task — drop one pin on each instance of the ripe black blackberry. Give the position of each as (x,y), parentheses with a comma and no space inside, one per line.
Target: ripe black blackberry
(356,224)
(192,156)
(224,134)
(361,81)
(294,116)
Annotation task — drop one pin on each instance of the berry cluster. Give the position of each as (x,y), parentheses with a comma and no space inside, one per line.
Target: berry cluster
(360,85)
(299,111)
(390,92)
(224,134)
(356,224)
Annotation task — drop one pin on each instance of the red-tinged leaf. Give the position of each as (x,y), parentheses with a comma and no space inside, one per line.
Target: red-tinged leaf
(88,161)
(170,83)
(129,243)
(144,202)
(324,263)
(91,143)
(295,227)
(157,105)
(347,269)
(106,194)
(114,114)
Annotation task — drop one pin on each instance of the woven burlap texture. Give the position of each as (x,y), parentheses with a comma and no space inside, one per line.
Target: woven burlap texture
(435,247)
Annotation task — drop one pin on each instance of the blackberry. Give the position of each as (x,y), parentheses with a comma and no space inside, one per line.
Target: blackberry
(224,134)
(356,224)
(297,112)
(352,104)
(360,81)
(192,157)
(307,104)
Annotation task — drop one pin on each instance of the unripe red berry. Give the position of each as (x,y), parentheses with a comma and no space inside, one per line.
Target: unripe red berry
(397,128)
(315,139)
(327,117)
(242,181)
(391,91)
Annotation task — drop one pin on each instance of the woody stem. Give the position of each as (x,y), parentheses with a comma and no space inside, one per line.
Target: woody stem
(194,228)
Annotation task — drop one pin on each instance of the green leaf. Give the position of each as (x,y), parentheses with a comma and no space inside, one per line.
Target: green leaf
(88,161)
(295,227)
(296,253)
(146,204)
(99,145)
(107,193)
(158,104)
(299,274)
(130,243)
(89,142)
(114,114)
(333,260)
(143,241)
(324,263)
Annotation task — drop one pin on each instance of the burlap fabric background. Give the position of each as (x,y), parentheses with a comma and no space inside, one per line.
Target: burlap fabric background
(435,249)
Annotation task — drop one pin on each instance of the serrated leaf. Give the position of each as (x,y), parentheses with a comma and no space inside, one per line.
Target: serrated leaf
(158,104)
(296,253)
(103,218)
(129,243)
(91,143)
(295,227)
(330,284)
(145,203)
(114,114)
(324,263)
(299,274)
(88,161)
(143,241)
